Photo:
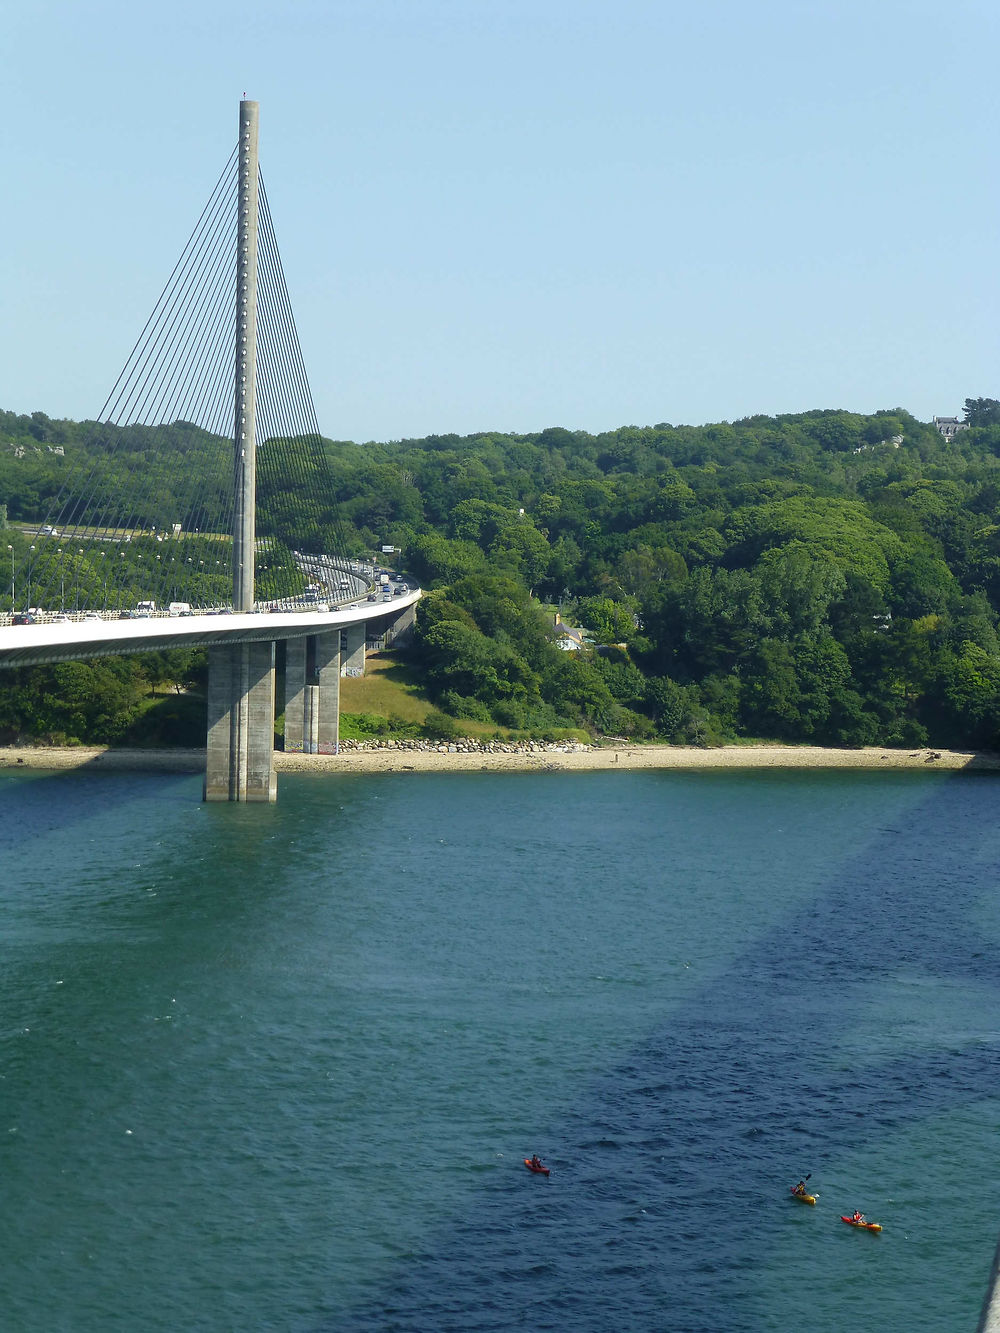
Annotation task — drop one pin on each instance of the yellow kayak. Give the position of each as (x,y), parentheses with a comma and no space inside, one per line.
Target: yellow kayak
(802,1196)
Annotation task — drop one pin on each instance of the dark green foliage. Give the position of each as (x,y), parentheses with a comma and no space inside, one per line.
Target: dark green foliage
(828,576)
(105,701)
(174,720)
(982,412)
(363,726)
(440,727)
(464,705)
(608,619)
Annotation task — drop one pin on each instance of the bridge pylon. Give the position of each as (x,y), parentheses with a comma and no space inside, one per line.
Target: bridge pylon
(240,743)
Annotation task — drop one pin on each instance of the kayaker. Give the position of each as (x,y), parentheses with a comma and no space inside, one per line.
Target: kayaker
(536,1161)
(800,1188)
(858,1217)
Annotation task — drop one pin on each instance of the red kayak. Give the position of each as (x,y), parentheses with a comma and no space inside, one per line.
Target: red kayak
(538,1169)
(862,1226)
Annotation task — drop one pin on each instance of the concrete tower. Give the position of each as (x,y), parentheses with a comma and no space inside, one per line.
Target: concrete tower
(245,442)
(239,763)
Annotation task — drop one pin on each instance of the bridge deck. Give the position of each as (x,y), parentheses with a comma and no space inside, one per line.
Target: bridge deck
(37,645)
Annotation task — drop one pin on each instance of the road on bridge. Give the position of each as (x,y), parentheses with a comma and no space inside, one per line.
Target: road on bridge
(71,640)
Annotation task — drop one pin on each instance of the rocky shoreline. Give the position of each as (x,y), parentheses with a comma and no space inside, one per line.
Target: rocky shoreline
(467,745)
(466,755)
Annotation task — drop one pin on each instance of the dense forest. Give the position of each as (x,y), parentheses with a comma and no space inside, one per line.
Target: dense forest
(825,577)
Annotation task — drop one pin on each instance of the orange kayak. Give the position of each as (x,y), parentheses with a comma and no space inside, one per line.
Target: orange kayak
(539,1170)
(862,1226)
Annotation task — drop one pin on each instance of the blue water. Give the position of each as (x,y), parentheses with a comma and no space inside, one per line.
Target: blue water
(276,1068)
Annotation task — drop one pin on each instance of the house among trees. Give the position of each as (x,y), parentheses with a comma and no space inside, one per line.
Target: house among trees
(567,637)
(950,426)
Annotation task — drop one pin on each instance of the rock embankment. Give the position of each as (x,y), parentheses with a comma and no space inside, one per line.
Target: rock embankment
(464,745)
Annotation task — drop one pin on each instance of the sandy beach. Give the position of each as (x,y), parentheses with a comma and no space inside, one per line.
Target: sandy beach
(540,759)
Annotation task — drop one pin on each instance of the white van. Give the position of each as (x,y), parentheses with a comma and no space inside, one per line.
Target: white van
(179,609)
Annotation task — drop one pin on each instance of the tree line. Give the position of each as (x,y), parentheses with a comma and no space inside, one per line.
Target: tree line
(827,576)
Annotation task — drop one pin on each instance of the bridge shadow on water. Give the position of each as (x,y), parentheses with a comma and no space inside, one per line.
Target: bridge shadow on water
(54,800)
(670,1177)
(668,1197)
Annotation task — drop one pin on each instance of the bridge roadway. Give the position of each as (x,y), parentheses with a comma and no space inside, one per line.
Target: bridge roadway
(40,644)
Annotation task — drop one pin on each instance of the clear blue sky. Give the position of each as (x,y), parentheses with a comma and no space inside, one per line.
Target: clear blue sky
(513,214)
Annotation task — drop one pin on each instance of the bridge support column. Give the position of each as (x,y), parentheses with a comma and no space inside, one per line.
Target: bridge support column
(296,678)
(328,658)
(400,628)
(354,650)
(239,763)
(312,694)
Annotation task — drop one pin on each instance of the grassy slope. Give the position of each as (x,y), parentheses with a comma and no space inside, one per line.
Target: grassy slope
(389,689)
(386,688)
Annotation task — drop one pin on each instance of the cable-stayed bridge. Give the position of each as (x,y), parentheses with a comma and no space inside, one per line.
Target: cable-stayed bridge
(202,509)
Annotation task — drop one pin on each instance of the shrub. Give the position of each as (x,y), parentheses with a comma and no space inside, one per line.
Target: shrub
(439,726)
(359,726)
(509,713)
(463,705)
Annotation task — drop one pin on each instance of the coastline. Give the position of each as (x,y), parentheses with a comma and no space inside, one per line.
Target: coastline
(539,758)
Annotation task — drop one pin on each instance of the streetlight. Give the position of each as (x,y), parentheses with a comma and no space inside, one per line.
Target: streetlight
(11,550)
(31,557)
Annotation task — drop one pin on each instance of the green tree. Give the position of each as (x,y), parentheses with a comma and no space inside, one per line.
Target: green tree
(982,412)
(922,584)
(437,561)
(797,590)
(771,695)
(466,661)
(523,551)
(609,620)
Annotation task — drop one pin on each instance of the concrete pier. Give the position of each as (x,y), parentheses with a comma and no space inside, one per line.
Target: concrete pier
(239,764)
(353,663)
(400,628)
(329,654)
(296,683)
(312,693)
